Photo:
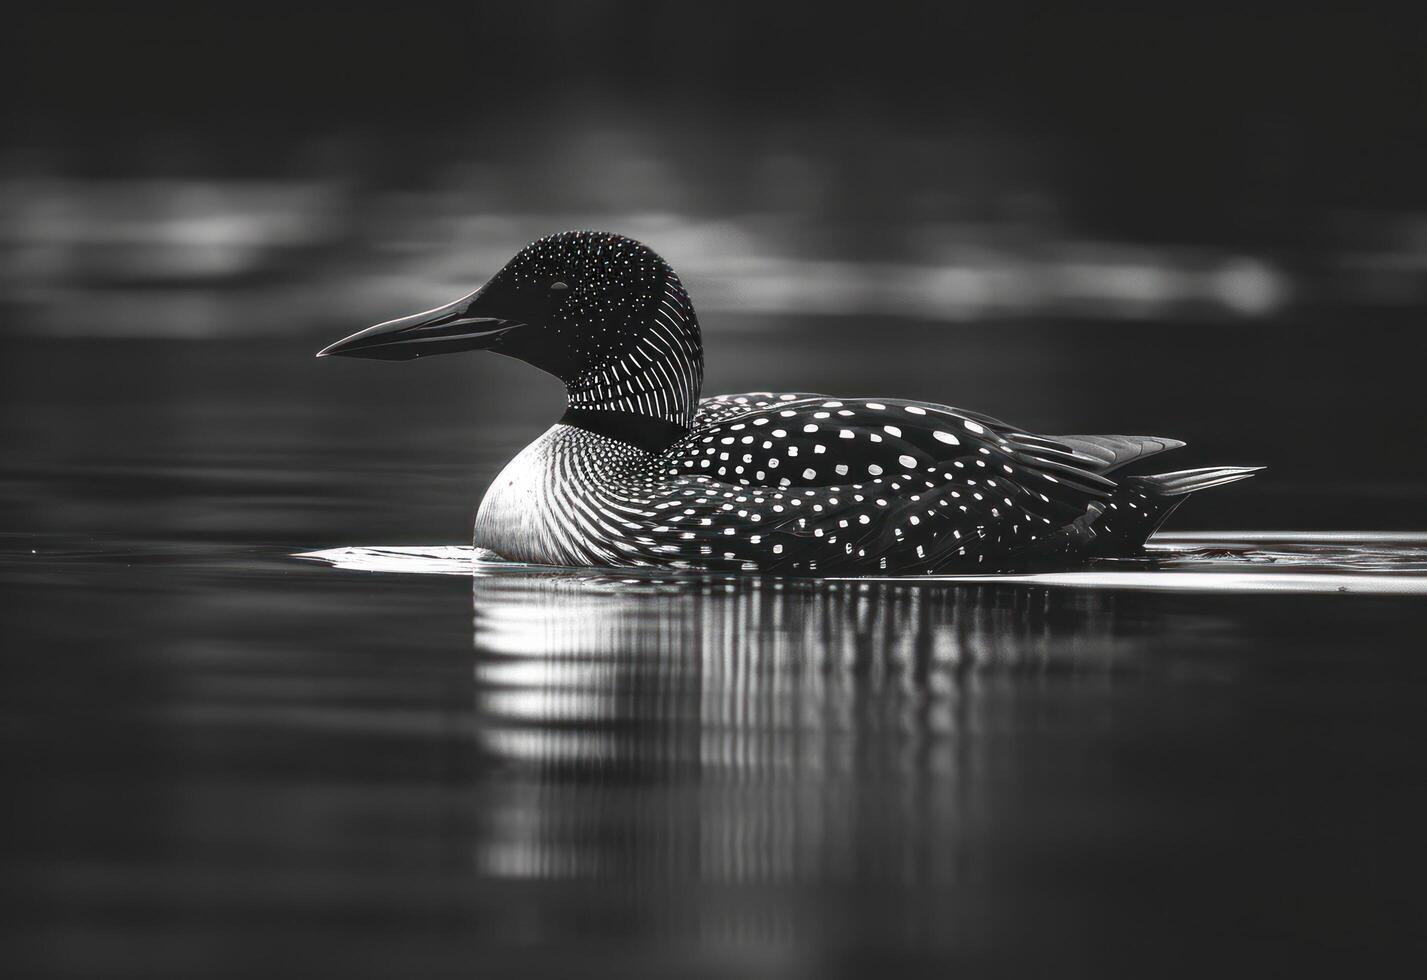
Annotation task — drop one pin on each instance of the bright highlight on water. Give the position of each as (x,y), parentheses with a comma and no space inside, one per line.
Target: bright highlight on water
(1360,563)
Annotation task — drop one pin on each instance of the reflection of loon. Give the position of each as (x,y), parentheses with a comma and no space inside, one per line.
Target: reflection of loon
(751,728)
(639,471)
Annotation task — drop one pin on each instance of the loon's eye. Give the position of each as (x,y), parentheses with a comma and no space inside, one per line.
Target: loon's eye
(558,287)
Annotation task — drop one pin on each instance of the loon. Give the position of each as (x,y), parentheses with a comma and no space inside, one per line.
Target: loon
(640,471)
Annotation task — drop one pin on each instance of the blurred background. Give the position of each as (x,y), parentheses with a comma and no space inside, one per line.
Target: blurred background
(1210,223)
(222,761)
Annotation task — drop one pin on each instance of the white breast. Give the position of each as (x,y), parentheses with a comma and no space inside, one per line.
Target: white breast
(537,510)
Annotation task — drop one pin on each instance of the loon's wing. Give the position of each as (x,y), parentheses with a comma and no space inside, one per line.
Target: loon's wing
(817,483)
(1105,454)
(801,483)
(1094,453)
(806,440)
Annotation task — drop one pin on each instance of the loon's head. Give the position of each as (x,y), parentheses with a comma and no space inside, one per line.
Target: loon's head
(601,312)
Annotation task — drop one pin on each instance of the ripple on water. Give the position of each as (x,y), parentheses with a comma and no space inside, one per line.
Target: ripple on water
(1357,562)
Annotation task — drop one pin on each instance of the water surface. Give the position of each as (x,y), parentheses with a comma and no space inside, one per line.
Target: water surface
(224,760)
(1362,562)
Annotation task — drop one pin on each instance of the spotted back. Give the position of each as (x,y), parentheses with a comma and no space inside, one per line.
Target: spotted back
(805,484)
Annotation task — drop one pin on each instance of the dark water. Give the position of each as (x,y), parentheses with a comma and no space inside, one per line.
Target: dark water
(222,760)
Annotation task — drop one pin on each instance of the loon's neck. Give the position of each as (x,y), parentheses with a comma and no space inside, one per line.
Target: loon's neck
(641,431)
(658,375)
(654,380)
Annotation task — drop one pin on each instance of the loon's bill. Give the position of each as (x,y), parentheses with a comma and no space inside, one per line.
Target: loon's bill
(642,472)
(454,327)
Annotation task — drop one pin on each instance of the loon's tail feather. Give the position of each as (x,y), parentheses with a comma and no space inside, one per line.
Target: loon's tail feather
(1181,482)
(1143,503)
